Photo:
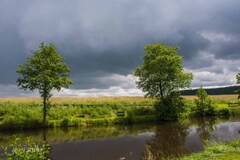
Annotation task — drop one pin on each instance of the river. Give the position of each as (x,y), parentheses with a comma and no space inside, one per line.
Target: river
(131,142)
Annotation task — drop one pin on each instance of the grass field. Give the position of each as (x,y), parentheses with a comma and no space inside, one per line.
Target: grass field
(67,111)
(120,99)
(125,99)
(227,97)
(27,112)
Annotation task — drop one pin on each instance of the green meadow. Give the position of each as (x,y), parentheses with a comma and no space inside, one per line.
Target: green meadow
(17,113)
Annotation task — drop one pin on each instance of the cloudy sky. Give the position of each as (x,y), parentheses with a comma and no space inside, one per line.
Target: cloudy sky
(103,40)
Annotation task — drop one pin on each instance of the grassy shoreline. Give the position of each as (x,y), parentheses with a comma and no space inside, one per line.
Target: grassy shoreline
(221,151)
(19,113)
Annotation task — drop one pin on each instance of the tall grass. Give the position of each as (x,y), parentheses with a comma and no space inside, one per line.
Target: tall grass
(27,112)
(227,97)
(85,100)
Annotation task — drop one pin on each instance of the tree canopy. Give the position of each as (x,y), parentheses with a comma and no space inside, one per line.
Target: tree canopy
(161,76)
(238,82)
(44,71)
(162,71)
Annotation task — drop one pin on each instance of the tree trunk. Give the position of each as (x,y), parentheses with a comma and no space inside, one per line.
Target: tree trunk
(161,91)
(44,110)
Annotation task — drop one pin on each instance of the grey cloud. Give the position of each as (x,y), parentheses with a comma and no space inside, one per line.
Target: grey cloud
(228,50)
(100,39)
(13,91)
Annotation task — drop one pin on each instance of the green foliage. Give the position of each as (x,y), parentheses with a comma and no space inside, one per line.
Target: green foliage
(28,114)
(44,71)
(223,111)
(204,104)
(160,76)
(162,71)
(234,111)
(238,82)
(170,108)
(26,151)
(20,115)
(65,122)
(141,110)
(140,114)
(17,115)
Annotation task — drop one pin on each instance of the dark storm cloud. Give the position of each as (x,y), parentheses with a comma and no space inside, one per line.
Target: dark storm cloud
(105,38)
(229,49)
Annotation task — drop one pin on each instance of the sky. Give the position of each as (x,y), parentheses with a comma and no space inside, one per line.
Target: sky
(103,40)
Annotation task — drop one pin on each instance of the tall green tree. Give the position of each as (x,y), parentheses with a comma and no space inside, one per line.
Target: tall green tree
(238,82)
(44,71)
(161,76)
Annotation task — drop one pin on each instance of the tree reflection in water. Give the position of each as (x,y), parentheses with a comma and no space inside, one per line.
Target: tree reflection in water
(168,142)
(205,127)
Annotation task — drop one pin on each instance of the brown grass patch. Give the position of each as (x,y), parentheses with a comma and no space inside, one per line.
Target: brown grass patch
(229,97)
(129,99)
(137,99)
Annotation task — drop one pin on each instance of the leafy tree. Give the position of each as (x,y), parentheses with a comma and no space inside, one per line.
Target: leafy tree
(204,103)
(161,76)
(238,82)
(44,71)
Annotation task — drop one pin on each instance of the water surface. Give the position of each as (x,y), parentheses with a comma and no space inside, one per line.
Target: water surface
(163,140)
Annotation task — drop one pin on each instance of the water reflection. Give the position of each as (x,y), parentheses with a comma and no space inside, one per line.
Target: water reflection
(162,141)
(205,127)
(56,135)
(168,142)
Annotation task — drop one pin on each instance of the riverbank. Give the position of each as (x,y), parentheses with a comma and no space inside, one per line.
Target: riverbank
(18,113)
(223,151)
(164,139)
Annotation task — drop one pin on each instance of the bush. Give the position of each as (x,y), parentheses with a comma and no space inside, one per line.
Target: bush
(224,111)
(134,112)
(204,104)
(234,111)
(130,116)
(211,110)
(170,108)
(65,122)
(26,151)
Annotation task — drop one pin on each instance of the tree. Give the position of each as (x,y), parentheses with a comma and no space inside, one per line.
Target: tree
(204,103)
(44,71)
(161,76)
(238,82)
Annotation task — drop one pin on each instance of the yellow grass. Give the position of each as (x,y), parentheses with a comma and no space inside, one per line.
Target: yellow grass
(129,99)
(230,97)
(137,99)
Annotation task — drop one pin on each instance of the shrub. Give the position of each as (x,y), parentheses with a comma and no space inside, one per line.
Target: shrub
(26,151)
(131,116)
(223,111)
(65,122)
(204,104)
(170,108)
(143,111)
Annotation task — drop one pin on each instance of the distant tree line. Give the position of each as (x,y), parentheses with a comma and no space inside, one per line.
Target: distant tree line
(213,91)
